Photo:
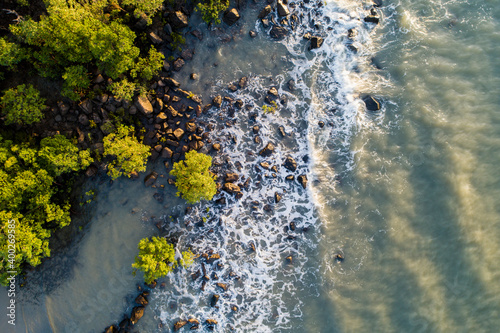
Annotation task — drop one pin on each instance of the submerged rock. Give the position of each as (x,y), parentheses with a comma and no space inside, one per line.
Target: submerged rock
(180,324)
(290,163)
(178,20)
(214,300)
(231,177)
(278,33)
(266,11)
(137,314)
(282,9)
(302,180)
(371,103)
(316,42)
(268,150)
(150,179)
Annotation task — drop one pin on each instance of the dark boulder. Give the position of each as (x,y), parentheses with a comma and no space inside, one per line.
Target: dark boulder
(268,150)
(277,197)
(278,33)
(111,329)
(178,64)
(290,163)
(252,34)
(282,9)
(171,82)
(217,101)
(266,11)
(150,179)
(231,188)
(231,16)
(302,180)
(180,324)
(214,300)
(178,20)
(231,177)
(316,42)
(137,314)
(371,103)
(372,19)
(141,299)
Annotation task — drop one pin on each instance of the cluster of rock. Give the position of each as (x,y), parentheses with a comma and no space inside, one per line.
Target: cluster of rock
(127,322)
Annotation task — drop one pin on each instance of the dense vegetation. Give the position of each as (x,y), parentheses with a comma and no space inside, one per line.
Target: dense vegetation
(157,258)
(193,179)
(30,194)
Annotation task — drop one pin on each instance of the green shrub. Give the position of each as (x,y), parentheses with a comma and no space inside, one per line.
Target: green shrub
(148,7)
(146,68)
(211,9)
(123,89)
(76,81)
(22,105)
(10,54)
(59,155)
(157,258)
(193,179)
(129,154)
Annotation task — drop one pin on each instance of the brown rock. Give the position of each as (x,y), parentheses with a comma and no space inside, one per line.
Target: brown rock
(231,188)
(137,314)
(231,177)
(178,133)
(166,153)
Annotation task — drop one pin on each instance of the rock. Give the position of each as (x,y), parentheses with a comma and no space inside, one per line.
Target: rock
(178,133)
(278,33)
(231,188)
(371,103)
(83,119)
(214,300)
(273,92)
(372,19)
(243,82)
(144,105)
(265,22)
(166,153)
(187,54)
(193,321)
(166,65)
(171,82)
(277,197)
(291,85)
(282,9)
(141,299)
(232,87)
(86,106)
(150,179)
(193,76)
(282,132)
(154,38)
(216,146)
(292,226)
(289,259)
(91,171)
(268,150)
(255,129)
(132,110)
(307,36)
(316,42)
(211,322)
(161,117)
(191,127)
(321,124)
(223,286)
(290,163)
(180,324)
(217,101)
(137,314)
(172,112)
(231,177)
(266,11)
(352,33)
(178,20)
(111,329)
(231,16)
(252,34)
(302,180)
(178,64)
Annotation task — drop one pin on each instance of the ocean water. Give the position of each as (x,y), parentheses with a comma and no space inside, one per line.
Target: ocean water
(405,194)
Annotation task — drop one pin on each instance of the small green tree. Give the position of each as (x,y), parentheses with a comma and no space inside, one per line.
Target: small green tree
(211,9)
(123,89)
(147,67)
(129,154)
(148,7)
(157,258)
(193,179)
(10,54)
(76,81)
(22,105)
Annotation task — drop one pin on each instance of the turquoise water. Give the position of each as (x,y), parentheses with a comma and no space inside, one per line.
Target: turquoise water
(407,194)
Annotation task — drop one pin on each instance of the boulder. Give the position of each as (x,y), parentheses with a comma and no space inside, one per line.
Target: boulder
(231,188)
(154,38)
(111,329)
(178,20)
(268,150)
(144,105)
(141,299)
(273,92)
(91,171)
(214,300)
(282,9)
(217,101)
(278,33)
(243,82)
(372,19)
(150,179)
(277,197)
(223,286)
(316,42)
(266,11)
(290,163)
(171,82)
(252,34)
(302,180)
(178,64)
(211,322)
(191,127)
(83,119)
(291,85)
(371,103)
(231,16)
(231,177)
(216,146)
(166,153)
(178,133)
(137,314)
(180,324)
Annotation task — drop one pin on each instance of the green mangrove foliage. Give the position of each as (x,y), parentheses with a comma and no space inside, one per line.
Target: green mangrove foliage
(193,179)
(147,7)
(157,258)
(32,199)
(22,105)
(128,154)
(76,35)
(210,10)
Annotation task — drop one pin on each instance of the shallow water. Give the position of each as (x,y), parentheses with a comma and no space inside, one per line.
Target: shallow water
(406,194)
